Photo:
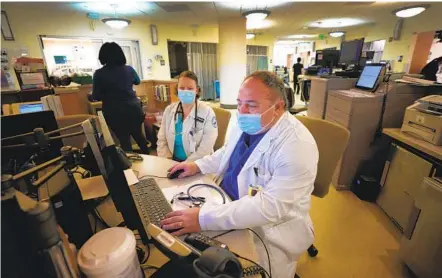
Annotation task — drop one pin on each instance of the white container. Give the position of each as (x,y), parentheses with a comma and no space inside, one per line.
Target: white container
(110,253)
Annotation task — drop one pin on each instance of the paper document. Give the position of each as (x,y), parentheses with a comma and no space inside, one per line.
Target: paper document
(212,196)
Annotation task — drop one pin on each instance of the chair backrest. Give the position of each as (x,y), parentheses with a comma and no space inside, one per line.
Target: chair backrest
(64,121)
(223,118)
(331,140)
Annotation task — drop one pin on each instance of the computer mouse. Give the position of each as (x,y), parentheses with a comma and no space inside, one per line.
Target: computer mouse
(175,174)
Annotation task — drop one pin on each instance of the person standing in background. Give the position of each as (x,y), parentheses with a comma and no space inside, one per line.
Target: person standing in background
(113,85)
(297,70)
(432,69)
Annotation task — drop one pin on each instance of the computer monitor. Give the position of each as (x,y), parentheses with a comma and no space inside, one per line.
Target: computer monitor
(351,52)
(370,76)
(112,165)
(327,58)
(25,123)
(31,107)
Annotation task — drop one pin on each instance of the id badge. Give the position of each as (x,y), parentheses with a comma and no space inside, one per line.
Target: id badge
(254,189)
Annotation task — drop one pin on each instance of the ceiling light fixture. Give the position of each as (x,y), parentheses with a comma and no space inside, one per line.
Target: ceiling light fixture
(256,14)
(250,36)
(337,34)
(410,11)
(116,23)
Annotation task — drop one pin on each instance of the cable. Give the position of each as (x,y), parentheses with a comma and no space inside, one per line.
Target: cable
(253,262)
(152,176)
(267,251)
(99,217)
(146,267)
(224,233)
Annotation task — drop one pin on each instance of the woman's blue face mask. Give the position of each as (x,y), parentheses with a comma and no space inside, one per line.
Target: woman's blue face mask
(186,96)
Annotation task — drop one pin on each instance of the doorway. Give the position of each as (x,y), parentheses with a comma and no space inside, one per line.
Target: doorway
(177,58)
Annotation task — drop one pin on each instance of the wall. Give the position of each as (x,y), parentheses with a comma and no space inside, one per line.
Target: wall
(328,43)
(265,40)
(427,21)
(28,22)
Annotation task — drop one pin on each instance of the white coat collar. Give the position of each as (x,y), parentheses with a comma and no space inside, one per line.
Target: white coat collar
(264,144)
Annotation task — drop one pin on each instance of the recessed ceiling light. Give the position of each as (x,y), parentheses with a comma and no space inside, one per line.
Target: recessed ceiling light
(410,11)
(256,14)
(302,36)
(250,36)
(336,22)
(337,34)
(116,23)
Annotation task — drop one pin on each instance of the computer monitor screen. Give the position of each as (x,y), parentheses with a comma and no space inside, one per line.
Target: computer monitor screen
(31,107)
(369,77)
(25,123)
(327,58)
(351,52)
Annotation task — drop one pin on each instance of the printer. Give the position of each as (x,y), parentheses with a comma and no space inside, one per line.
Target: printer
(423,119)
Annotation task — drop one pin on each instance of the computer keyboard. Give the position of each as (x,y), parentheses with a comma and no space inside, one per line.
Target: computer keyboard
(151,204)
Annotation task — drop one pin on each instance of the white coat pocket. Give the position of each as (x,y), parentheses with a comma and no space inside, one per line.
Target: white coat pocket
(295,235)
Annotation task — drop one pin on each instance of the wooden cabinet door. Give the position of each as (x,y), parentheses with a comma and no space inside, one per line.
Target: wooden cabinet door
(405,175)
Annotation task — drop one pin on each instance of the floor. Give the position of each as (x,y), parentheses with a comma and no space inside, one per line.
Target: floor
(354,238)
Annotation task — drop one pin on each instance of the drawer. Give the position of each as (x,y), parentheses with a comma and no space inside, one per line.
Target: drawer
(338,116)
(339,104)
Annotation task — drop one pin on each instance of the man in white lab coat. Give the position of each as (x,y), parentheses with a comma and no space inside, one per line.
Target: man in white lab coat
(268,168)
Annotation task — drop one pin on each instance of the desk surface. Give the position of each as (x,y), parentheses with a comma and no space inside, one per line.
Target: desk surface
(240,241)
(428,148)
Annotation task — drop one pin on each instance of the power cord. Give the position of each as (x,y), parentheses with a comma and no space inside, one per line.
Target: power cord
(265,246)
(224,233)
(152,176)
(256,269)
(253,262)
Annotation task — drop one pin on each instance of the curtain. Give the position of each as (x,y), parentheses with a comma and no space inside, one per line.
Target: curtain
(256,58)
(202,61)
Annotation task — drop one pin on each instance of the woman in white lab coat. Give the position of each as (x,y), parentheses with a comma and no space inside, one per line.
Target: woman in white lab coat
(188,129)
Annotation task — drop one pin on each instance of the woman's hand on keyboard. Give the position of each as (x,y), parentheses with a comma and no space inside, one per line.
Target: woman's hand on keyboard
(187,221)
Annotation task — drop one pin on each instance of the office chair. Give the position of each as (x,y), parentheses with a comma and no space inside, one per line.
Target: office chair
(222,118)
(331,140)
(64,121)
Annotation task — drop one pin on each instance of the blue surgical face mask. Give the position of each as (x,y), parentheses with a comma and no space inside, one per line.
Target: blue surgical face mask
(186,96)
(251,123)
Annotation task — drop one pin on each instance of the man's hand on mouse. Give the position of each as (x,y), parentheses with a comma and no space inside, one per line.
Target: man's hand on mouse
(189,168)
(186,221)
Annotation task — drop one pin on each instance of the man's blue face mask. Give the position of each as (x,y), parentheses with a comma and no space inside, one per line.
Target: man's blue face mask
(251,123)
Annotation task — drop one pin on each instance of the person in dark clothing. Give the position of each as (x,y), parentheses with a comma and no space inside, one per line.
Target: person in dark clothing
(430,70)
(297,70)
(113,84)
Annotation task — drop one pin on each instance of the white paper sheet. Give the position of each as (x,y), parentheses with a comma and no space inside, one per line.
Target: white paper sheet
(212,196)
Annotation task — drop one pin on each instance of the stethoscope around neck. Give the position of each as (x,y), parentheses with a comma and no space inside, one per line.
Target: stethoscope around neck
(180,110)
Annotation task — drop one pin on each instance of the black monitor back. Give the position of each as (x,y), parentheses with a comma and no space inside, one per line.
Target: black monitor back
(25,123)
(351,52)
(119,190)
(329,58)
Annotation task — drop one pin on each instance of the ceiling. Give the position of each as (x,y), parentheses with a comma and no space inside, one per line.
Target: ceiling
(286,18)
